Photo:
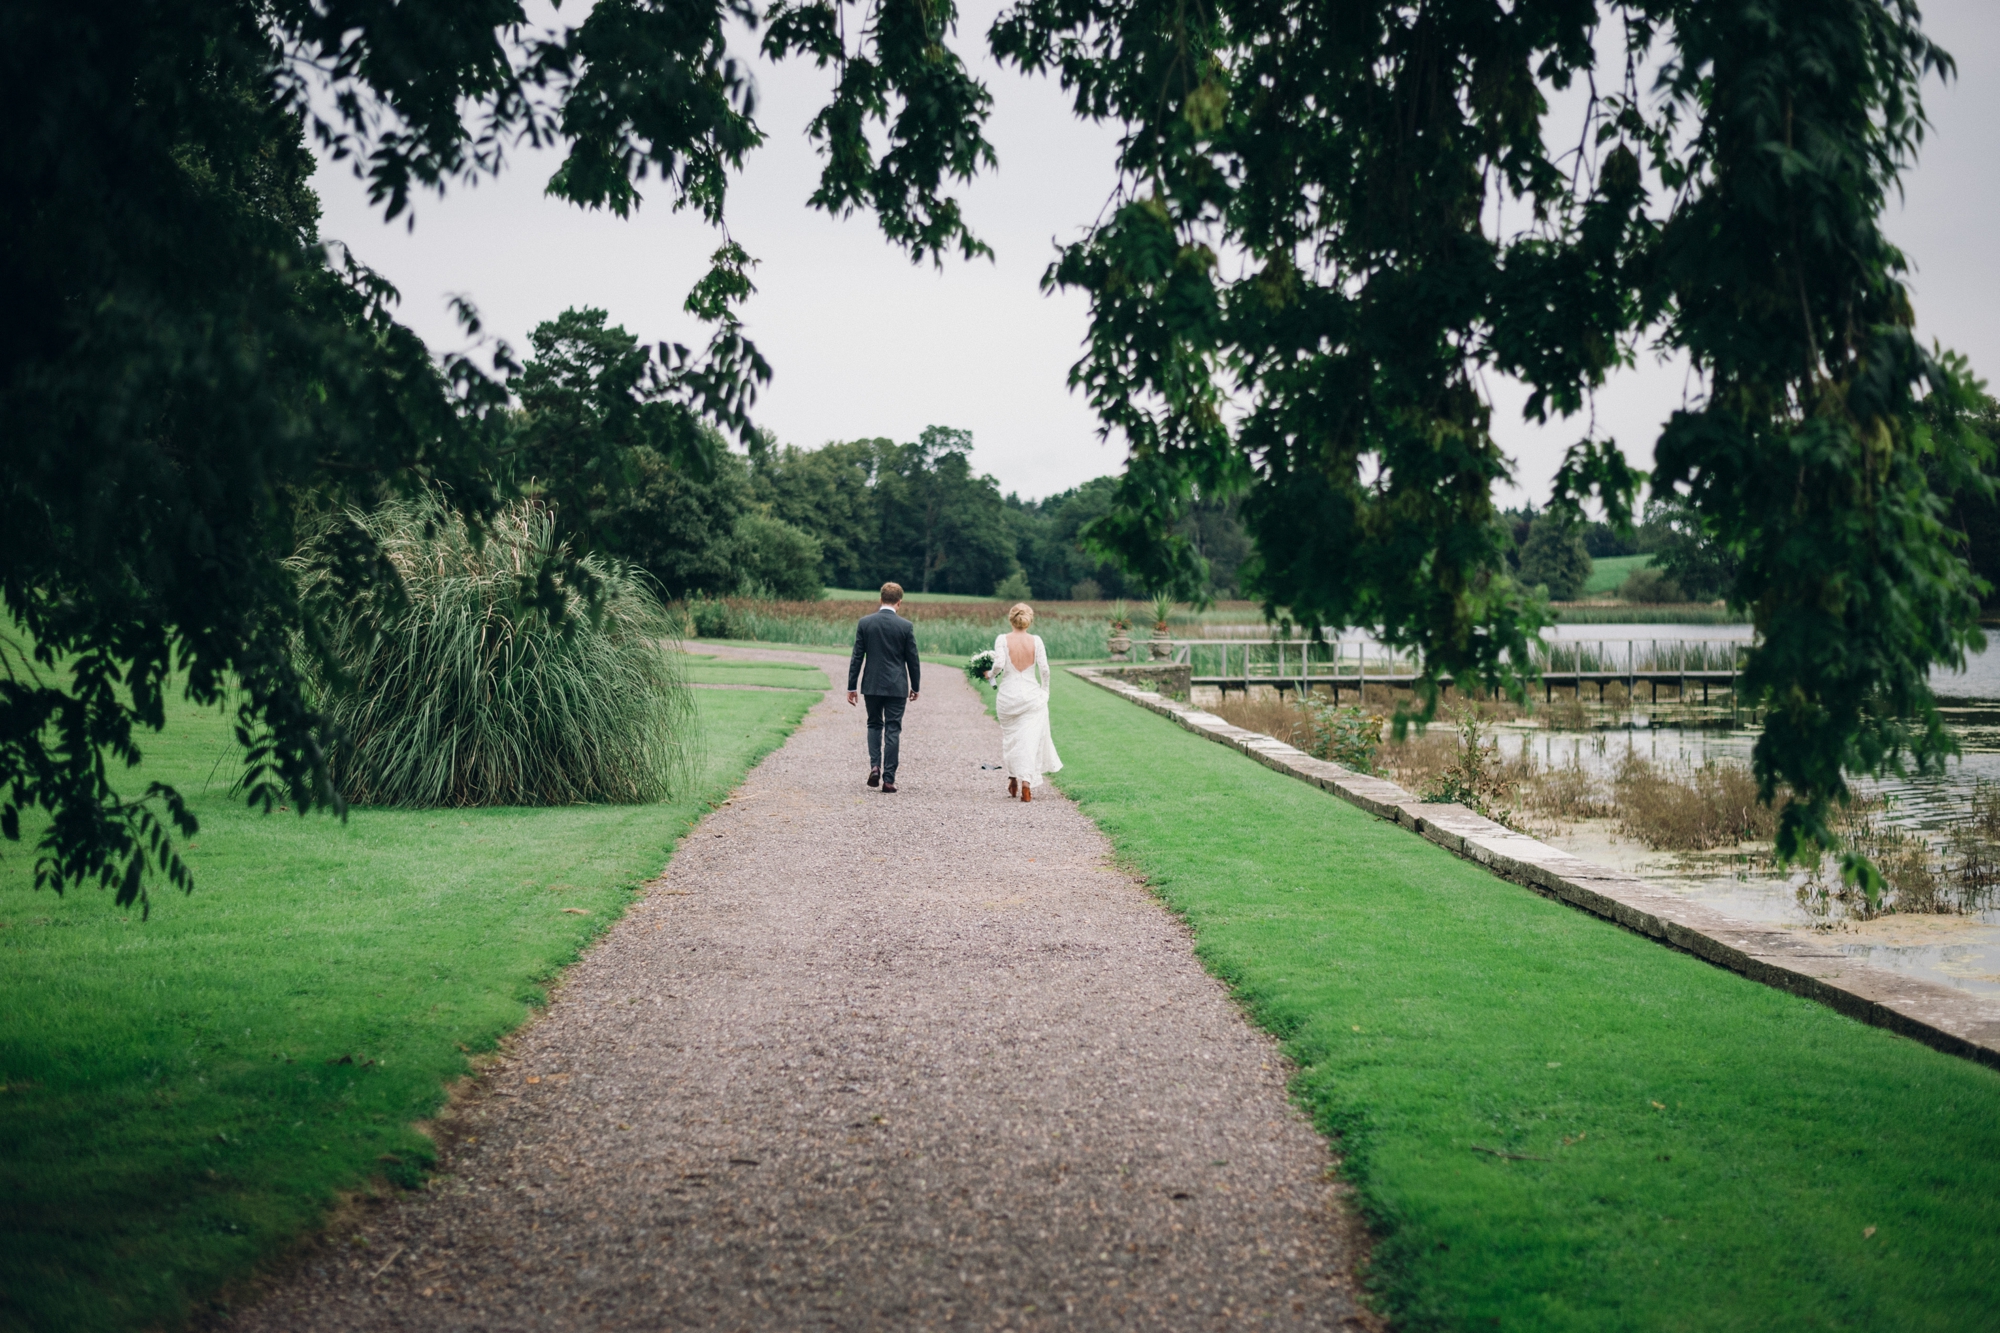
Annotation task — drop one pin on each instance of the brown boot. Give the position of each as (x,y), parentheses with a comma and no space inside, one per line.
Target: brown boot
(1013,786)
(1026,795)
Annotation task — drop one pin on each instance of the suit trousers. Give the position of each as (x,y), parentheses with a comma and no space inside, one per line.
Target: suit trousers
(885,731)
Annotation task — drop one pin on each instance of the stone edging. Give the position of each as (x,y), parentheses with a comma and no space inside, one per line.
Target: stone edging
(1950,1020)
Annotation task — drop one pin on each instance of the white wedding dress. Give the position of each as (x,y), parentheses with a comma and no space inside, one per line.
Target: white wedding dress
(1026,750)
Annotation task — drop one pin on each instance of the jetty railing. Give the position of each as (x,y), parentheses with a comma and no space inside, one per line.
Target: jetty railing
(1341,665)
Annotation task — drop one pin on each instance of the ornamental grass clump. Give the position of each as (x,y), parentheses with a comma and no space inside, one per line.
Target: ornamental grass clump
(464,691)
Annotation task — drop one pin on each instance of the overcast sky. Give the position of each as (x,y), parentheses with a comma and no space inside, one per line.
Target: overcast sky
(863,343)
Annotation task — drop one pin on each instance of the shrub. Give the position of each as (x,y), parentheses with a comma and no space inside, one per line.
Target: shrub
(460,693)
(777,559)
(1650,585)
(1686,551)
(1474,777)
(1346,736)
(1014,586)
(1553,556)
(710,619)
(1085,590)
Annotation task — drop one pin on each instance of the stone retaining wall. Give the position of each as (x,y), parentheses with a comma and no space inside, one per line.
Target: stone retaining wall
(1172,679)
(1951,1020)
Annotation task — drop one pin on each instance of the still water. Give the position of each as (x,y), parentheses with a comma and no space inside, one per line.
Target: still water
(1958,950)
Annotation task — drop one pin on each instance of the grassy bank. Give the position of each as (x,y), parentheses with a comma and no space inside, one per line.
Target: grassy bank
(183,1096)
(1609,572)
(1552,1123)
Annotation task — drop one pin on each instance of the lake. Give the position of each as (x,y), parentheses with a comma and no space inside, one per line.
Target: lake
(1961,951)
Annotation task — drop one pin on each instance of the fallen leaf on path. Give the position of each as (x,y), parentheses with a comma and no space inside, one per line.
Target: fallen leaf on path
(1866,1232)
(1659,1106)
(576,911)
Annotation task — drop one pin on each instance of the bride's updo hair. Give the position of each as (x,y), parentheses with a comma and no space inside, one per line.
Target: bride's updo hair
(1020,615)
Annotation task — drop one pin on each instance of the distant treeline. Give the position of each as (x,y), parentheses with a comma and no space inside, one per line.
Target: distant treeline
(789,521)
(631,474)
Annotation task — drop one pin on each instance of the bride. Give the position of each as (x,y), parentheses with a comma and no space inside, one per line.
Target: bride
(1021,670)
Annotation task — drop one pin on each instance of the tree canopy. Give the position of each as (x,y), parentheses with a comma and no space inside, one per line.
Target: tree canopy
(1309,228)
(1293,297)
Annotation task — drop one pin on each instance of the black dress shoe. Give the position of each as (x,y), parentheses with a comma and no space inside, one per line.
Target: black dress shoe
(888,787)
(874,777)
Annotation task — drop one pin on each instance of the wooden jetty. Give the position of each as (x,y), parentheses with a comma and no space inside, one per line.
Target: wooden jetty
(1288,665)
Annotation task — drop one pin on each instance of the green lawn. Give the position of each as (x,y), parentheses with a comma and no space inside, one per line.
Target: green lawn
(1608,574)
(183,1096)
(701,670)
(1706,1153)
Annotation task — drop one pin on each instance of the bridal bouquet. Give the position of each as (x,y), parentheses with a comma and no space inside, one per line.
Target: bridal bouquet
(979,664)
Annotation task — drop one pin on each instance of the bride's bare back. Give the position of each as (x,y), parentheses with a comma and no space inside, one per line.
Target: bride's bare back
(1021,649)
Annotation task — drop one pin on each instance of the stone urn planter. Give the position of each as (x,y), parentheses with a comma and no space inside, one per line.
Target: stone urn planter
(1121,646)
(1161,648)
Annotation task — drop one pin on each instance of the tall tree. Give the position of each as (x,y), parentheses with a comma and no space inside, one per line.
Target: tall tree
(1554,557)
(916,513)
(941,520)
(830,493)
(597,412)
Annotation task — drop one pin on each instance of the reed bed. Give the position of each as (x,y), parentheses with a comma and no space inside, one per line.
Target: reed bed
(1712,806)
(1641,613)
(1640,655)
(459,694)
(1691,811)
(1951,871)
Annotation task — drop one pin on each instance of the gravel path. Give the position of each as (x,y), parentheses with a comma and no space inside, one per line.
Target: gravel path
(867,1062)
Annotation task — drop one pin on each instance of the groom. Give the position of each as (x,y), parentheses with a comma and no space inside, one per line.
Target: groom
(889,644)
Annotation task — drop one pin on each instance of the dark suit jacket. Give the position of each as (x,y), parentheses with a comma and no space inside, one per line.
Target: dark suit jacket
(889,643)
